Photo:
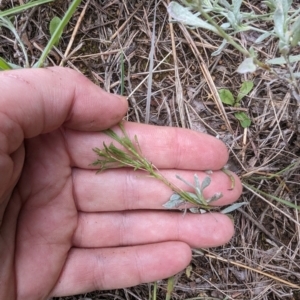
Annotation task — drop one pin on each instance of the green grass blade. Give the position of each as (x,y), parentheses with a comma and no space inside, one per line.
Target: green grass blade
(9,25)
(287,203)
(65,20)
(170,287)
(122,74)
(4,65)
(21,8)
(154,294)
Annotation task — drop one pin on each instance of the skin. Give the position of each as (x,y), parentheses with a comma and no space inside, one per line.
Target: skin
(65,229)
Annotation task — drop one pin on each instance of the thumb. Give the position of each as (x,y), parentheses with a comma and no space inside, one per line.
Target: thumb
(36,101)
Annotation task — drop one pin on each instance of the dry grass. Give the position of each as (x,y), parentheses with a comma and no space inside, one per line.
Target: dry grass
(262,261)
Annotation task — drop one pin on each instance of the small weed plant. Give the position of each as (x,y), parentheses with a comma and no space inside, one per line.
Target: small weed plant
(132,157)
(228,98)
(286,29)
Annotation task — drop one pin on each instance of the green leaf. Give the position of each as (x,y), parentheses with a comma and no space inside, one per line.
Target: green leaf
(21,8)
(54,23)
(245,89)
(245,121)
(4,65)
(226,97)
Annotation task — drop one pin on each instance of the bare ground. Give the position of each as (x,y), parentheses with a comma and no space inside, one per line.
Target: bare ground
(262,260)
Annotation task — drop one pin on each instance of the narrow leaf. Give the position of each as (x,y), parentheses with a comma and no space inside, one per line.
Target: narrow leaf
(215,197)
(170,287)
(195,198)
(197,181)
(4,65)
(186,182)
(236,7)
(225,25)
(220,49)
(279,21)
(282,201)
(232,19)
(262,37)
(205,183)
(233,207)
(23,7)
(286,5)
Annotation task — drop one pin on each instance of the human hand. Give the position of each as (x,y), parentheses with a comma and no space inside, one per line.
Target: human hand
(66,230)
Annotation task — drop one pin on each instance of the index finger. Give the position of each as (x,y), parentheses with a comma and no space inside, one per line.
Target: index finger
(165,147)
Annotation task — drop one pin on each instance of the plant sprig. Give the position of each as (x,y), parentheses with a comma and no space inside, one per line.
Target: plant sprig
(132,157)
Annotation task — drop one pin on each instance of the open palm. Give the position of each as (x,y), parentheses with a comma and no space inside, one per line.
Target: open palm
(67,230)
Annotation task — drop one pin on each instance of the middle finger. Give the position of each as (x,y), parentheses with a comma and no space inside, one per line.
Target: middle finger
(126,189)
